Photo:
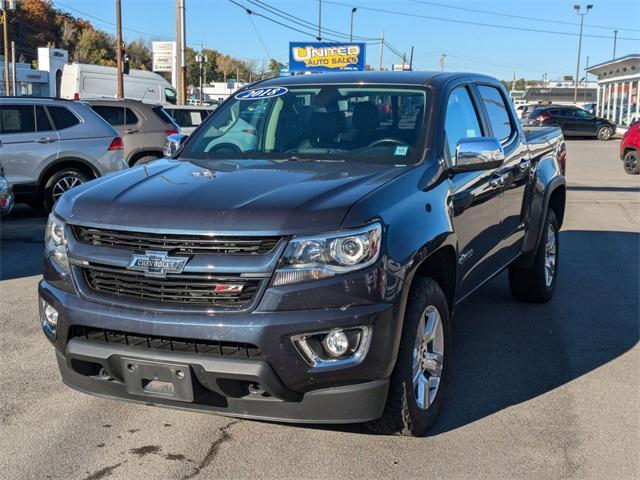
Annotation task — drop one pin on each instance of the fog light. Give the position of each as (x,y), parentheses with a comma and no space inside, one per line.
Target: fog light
(336,343)
(51,315)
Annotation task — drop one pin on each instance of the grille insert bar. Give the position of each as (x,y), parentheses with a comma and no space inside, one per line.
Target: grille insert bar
(176,243)
(211,348)
(191,289)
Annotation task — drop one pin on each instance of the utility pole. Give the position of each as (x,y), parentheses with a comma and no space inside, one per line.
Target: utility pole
(381,49)
(120,93)
(14,90)
(442,59)
(6,6)
(183,52)
(615,40)
(353,10)
(586,82)
(411,60)
(319,37)
(577,79)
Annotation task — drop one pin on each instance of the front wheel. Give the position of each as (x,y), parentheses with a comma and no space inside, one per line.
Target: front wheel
(631,163)
(417,382)
(536,284)
(604,133)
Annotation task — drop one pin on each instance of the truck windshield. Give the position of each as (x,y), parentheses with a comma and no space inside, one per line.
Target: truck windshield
(325,122)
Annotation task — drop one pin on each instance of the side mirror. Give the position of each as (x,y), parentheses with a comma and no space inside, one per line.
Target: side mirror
(481,153)
(173,143)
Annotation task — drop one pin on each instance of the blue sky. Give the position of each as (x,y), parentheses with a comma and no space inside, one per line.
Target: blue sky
(495,51)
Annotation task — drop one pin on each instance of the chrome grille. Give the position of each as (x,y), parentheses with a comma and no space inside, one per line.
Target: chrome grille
(184,288)
(176,243)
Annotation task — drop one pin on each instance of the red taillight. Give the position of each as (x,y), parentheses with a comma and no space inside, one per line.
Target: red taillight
(116,144)
(76,96)
(171,131)
(544,117)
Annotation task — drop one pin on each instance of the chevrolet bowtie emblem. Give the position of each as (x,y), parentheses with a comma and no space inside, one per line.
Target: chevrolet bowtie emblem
(157,264)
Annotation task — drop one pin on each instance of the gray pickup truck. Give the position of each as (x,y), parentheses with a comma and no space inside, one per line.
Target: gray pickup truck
(300,256)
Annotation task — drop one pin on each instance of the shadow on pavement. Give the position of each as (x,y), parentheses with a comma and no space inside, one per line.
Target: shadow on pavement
(506,353)
(21,243)
(603,189)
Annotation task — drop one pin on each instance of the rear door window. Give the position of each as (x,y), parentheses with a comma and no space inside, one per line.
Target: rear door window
(43,124)
(62,117)
(113,115)
(497,112)
(130,117)
(17,119)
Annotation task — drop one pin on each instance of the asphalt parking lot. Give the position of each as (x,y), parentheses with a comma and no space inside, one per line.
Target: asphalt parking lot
(537,391)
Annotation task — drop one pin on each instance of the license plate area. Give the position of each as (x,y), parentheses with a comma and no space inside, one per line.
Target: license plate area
(158,380)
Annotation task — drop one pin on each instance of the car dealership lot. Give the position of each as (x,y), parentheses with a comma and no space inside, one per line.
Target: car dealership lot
(537,391)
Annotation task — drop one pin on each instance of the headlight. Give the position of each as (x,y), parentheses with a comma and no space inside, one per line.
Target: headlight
(55,243)
(313,258)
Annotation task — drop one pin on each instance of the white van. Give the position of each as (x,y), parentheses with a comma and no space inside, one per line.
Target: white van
(81,81)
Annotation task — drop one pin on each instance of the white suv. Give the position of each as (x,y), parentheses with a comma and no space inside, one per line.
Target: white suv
(48,146)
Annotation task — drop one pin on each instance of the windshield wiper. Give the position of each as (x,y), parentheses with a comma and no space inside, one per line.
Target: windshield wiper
(294,158)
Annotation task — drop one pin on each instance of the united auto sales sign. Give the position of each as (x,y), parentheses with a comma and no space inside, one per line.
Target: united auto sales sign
(157,264)
(326,57)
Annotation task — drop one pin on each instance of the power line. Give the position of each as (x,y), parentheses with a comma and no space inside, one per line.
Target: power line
(466,22)
(535,19)
(266,50)
(300,21)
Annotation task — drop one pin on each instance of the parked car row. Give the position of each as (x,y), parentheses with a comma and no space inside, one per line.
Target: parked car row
(574,121)
(48,146)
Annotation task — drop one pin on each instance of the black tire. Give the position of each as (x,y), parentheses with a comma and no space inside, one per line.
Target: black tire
(631,163)
(402,415)
(145,159)
(604,133)
(51,192)
(531,284)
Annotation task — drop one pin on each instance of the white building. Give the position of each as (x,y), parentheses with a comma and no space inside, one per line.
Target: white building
(44,82)
(618,88)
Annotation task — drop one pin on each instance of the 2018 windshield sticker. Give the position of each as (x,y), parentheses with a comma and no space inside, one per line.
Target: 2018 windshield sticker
(260,93)
(401,150)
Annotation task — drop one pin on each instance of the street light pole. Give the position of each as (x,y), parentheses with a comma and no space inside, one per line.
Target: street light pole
(615,40)
(353,10)
(319,37)
(581,15)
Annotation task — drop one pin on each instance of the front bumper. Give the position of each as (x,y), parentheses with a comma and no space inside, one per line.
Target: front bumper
(279,385)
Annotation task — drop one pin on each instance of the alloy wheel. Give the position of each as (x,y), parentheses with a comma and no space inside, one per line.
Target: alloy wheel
(63,185)
(428,355)
(550,252)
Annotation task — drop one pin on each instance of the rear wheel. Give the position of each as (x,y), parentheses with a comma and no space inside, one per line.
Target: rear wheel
(61,182)
(536,284)
(631,163)
(604,133)
(416,385)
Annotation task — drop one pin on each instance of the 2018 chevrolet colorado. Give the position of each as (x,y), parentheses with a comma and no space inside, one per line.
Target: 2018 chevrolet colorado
(300,256)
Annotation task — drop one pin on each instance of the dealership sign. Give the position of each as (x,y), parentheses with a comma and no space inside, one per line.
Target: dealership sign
(164,54)
(325,57)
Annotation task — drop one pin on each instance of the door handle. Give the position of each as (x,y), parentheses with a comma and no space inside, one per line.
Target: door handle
(45,140)
(131,130)
(524,165)
(498,181)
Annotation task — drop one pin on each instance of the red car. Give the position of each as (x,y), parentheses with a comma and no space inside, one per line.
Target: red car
(630,149)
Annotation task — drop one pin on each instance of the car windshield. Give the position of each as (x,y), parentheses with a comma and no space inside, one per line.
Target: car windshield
(323,123)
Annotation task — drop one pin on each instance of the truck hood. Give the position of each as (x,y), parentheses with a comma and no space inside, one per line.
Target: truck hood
(226,197)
